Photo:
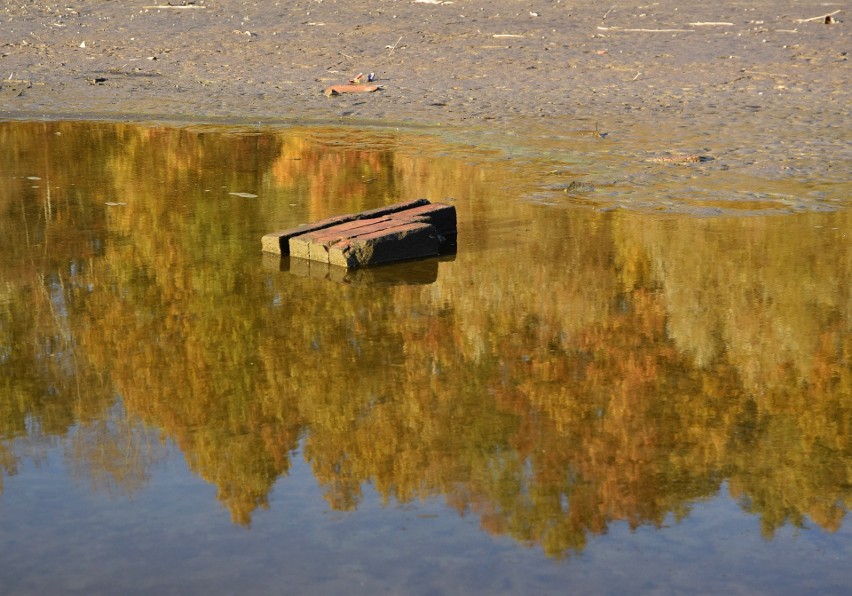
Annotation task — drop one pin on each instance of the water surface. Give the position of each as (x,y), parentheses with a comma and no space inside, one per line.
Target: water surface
(638,383)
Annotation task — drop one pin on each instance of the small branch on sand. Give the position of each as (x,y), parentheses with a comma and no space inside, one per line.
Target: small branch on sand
(161,6)
(766,74)
(821,17)
(335,90)
(647,30)
(393,47)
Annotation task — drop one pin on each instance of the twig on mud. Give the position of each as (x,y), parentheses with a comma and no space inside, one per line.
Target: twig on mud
(731,81)
(821,17)
(346,55)
(393,47)
(606,14)
(159,6)
(766,74)
(647,30)
(638,74)
(710,24)
(335,90)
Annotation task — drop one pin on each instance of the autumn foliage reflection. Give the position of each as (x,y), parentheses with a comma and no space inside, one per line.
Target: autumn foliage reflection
(627,369)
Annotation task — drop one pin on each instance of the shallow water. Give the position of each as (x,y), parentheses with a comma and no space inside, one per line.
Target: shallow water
(638,383)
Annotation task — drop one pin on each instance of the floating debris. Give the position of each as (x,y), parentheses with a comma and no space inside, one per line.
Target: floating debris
(578,186)
(680,159)
(403,231)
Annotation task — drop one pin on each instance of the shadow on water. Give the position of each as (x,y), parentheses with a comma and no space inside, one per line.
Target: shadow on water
(420,272)
(570,369)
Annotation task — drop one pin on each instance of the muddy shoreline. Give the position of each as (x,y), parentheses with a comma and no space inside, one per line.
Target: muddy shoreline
(753,78)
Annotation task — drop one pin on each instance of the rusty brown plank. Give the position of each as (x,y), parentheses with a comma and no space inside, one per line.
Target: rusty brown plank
(405,240)
(278,242)
(315,245)
(440,215)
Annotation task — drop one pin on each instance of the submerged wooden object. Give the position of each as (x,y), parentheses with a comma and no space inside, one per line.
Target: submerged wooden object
(399,232)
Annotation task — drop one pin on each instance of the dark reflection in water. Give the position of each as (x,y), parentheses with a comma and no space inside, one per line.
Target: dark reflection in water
(418,272)
(569,370)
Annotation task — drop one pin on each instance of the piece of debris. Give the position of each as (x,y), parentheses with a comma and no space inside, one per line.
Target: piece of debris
(403,231)
(393,47)
(359,78)
(341,89)
(579,186)
(165,6)
(679,159)
(828,19)
(14,88)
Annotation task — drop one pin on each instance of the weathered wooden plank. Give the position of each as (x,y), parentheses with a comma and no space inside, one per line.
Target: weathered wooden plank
(279,242)
(389,209)
(405,240)
(440,215)
(403,231)
(315,245)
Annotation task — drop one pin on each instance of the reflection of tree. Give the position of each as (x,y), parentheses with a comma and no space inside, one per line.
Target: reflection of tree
(325,178)
(625,369)
(792,455)
(770,301)
(113,453)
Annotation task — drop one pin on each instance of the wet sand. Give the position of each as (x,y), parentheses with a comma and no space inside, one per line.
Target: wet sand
(756,78)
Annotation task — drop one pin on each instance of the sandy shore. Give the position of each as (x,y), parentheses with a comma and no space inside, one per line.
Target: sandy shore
(763,73)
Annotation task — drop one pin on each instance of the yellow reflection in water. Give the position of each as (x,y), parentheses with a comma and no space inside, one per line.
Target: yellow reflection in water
(567,369)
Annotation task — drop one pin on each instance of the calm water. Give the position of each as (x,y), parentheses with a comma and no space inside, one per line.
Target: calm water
(641,387)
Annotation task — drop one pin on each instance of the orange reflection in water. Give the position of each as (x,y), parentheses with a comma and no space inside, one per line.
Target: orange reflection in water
(569,368)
